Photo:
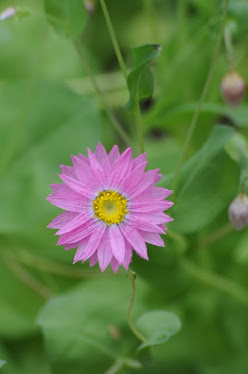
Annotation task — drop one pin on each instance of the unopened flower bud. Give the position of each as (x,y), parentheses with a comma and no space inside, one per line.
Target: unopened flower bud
(238,212)
(233,88)
(90,5)
(7,13)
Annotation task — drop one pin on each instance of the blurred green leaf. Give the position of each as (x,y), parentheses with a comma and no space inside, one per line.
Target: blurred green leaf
(157,327)
(68,17)
(140,80)
(2,362)
(202,191)
(77,325)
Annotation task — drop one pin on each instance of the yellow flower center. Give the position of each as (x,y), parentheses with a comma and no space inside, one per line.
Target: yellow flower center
(110,207)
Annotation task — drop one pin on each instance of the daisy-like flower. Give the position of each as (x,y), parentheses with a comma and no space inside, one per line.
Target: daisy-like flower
(112,207)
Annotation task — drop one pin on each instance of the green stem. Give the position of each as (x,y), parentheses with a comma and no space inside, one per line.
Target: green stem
(117,366)
(217,235)
(26,278)
(139,123)
(229,48)
(223,284)
(100,95)
(149,9)
(202,98)
(114,39)
(181,241)
(132,276)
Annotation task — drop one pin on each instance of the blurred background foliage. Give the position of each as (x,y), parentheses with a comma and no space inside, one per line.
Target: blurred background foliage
(59,318)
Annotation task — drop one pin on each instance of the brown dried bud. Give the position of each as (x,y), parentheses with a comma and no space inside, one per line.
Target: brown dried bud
(238,212)
(233,88)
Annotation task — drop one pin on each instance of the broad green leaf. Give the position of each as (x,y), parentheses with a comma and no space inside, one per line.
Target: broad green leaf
(237,148)
(144,54)
(179,113)
(241,250)
(68,17)
(157,327)
(204,188)
(77,325)
(140,79)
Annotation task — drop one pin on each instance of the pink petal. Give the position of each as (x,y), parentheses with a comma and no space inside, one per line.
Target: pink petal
(76,186)
(62,220)
(104,254)
(74,223)
(149,206)
(80,250)
(121,168)
(72,203)
(130,183)
(114,154)
(148,179)
(135,239)
(79,233)
(155,218)
(117,243)
(82,170)
(152,238)
(103,158)
(128,255)
(83,158)
(94,241)
(139,160)
(114,264)
(93,259)
(68,170)
(96,167)
(144,225)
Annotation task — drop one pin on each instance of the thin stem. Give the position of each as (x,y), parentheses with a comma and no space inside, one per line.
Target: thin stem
(116,367)
(139,122)
(26,278)
(217,235)
(114,39)
(229,48)
(223,284)
(151,19)
(202,98)
(132,276)
(100,95)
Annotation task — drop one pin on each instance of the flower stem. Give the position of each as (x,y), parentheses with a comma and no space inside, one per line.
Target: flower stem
(132,276)
(139,122)
(100,95)
(114,39)
(202,98)
(219,234)
(223,284)
(229,48)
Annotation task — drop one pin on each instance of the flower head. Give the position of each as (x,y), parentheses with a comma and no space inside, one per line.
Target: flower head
(112,207)
(233,88)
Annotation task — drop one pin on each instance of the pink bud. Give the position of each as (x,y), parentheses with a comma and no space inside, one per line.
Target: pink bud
(238,212)
(7,13)
(233,88)
(90,5)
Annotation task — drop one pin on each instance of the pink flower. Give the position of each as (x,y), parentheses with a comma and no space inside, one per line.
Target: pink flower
(112,207)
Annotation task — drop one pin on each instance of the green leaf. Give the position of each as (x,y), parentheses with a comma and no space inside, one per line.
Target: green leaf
(77,325)
(204,189)
(144,54)
(2,362)
(157,327)
(68,17)
(140,80)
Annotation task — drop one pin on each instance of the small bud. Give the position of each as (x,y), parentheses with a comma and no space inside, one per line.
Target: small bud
(8,13)
(233,88)
(238,212)
(90,5)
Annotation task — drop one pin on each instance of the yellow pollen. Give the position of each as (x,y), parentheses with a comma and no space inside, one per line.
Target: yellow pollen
(110,207)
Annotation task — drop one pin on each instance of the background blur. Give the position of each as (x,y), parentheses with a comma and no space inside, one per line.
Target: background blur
(59,318)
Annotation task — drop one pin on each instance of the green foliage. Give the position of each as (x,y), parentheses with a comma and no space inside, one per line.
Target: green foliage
(2,362)
(68,17)
(157,326)
(59,318)
(140,80)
